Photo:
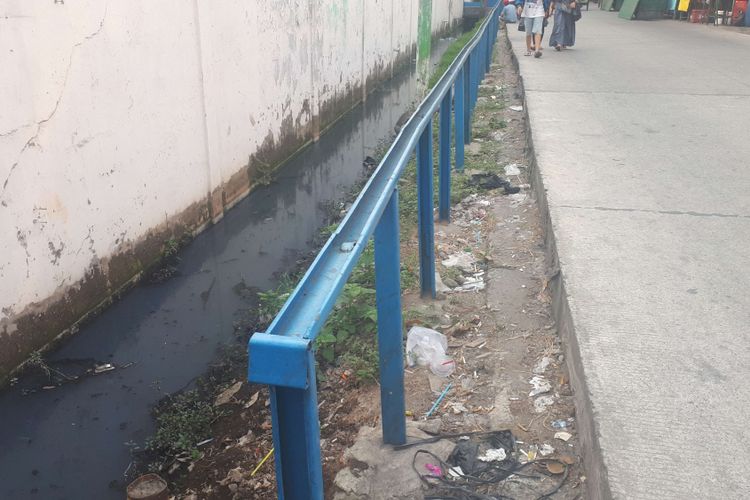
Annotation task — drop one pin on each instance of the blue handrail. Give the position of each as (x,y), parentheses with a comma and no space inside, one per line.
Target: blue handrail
(283,356)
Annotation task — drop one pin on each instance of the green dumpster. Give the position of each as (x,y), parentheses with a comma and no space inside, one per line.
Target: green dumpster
(643,9)
(610,4)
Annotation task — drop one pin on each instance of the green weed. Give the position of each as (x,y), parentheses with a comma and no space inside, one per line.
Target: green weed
(181,422)
(450,54)
(362,357)
(264,173)
(170,248)
(460,188)
(166,267)
(271,301)
(355,315)
(496,123)
(349,336)
(409,271)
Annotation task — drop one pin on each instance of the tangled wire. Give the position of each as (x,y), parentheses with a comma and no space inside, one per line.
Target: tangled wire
(473,475)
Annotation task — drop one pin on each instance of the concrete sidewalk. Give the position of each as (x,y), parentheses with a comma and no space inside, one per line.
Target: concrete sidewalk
(642,141)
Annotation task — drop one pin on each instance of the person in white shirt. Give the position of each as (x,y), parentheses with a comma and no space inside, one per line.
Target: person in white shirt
(533,13)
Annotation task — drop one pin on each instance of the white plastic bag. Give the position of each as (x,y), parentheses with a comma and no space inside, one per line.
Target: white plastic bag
(427,347)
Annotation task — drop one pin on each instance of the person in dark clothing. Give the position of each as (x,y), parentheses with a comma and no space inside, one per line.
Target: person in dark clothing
(508,14)
(564,31)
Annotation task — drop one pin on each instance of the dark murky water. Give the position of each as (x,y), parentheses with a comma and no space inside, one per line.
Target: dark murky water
(74,442)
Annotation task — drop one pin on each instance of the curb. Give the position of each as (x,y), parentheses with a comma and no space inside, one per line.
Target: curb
(597,481)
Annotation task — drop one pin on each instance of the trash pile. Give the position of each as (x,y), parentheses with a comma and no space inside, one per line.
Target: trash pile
(470,279)
(39,374)
(488,180)
(492,464)
(461,268)
(472,211)
(488,465)
(426,347)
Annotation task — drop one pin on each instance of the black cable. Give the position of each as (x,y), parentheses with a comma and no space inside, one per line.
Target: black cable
(438,437)
(442,483)
(465,481)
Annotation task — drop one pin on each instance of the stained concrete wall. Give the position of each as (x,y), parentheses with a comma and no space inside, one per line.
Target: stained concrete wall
(125,123)
(446,15)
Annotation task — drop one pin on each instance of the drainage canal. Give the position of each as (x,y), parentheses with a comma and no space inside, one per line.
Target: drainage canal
(74,441)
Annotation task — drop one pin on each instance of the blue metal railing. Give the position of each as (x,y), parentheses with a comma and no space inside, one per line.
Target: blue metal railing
(283,356)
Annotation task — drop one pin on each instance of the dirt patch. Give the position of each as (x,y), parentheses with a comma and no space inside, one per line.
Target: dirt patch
(228,467)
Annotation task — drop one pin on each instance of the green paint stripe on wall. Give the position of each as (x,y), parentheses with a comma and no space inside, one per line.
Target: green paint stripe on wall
(424,33)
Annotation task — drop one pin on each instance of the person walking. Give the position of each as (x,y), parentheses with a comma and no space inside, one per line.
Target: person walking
(533,13)
(508,14)
(564,31)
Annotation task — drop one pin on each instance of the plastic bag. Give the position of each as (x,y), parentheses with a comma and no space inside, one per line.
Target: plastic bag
(427,347)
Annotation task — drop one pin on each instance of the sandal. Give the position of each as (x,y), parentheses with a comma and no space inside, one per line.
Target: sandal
(558,48)
(528,53)
(538,54)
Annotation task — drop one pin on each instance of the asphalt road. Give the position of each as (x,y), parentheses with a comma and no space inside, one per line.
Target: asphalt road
(642,140)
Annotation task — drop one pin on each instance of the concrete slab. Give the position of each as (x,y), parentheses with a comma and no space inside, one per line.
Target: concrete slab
(377,472)
(641,141)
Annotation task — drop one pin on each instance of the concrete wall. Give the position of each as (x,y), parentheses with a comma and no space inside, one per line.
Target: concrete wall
(124,123)
(446,15)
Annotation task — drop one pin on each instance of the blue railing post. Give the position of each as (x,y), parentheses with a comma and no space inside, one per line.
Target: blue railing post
(425,219)
(496,29)
(467,100)
(493,30)
(480,68)
(459,103)
(296,439)
(493,37)
(444,162)
(477,72)
(480,60)
(473,89)
(480,65)
(390,325)
(488,46)
(485,38)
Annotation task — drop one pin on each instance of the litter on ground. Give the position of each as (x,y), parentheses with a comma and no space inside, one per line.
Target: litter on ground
(540,386)
(563,436)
